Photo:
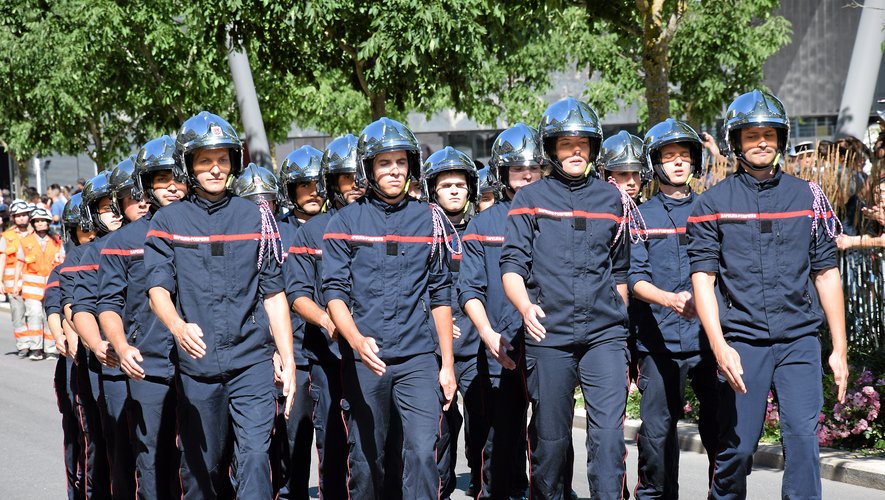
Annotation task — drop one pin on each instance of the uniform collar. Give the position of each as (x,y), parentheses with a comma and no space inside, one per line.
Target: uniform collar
(210,206)
(387,207)
(671,203)
(571,184)
(752,183)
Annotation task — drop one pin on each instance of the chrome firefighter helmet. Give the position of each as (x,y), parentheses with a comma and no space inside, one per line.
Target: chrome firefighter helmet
(383,136)
(155,156)
(756,109)
(341,157)
(20,207)
(94,190)
(449,159)
(257,183)
(672,131)
(622,152)
(302,165)
(488,183)
(70,217)
(122,182)
(519,145)
(206,131)
(569,117)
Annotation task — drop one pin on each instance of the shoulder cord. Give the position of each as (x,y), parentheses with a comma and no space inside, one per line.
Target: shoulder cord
(270,234)
(822,209)
(440,237)
(632,220)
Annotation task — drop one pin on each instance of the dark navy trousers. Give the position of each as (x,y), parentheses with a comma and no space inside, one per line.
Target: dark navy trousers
(93,458)
(411,389)
(328,426)
(473,389)
(552,374)
(152,415)
(504,451)
(210,410)
(292,439)
(662,378)
(64,381)
(117,434)
(793,368)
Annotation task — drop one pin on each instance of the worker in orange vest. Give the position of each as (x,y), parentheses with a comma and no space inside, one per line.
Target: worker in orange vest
(38,253)
(20,211)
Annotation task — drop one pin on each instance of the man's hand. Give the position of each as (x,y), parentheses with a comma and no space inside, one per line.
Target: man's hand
(130,357)
(287,374)
(448,384)
(532,324)
(729,362)
(710,144)
(682,304)
(60,344)
(16,291)
(456,332)
(277,369)
(876,213)
(190,338)
(106,354)
(498,348)
(329,326)
(839,365)
(368,351)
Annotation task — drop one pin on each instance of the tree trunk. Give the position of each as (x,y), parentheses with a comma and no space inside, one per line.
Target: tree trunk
(378,102)
(655,62)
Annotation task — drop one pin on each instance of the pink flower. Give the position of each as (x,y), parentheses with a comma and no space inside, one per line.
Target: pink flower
(687,408)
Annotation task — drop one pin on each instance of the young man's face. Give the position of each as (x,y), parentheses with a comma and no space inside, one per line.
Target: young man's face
(134,209)
(166,188)
(486,200)
(84,236)
(390,171)
(451,191)
(41,225)
(21,219)
(307,198)
(107,216)
(346,184)
(211,168)
(522,175)
(676,162)
(759,145)
(628,181)
(574,154)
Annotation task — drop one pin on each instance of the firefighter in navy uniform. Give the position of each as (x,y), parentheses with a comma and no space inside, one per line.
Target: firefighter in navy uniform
(449,180)
(763,265)
(671,345)
(303,273)
(218,290)
(66,341)
(142,343)
(620,160)
(517,160)
(488,190)
(383,259)
(565,269)
(107,382)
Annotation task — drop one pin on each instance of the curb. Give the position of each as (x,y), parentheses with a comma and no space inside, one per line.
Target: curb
(835,465)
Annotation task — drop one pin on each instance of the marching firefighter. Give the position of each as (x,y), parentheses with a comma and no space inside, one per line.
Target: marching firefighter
(20,212)
(489,191)
(565,269)
(217,286)
(764,267)
(619,160)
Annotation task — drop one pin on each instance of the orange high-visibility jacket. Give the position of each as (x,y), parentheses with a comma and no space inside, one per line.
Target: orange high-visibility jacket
(38,263)
(13,240)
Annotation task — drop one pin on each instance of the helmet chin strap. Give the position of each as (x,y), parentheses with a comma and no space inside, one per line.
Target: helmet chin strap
(773,164)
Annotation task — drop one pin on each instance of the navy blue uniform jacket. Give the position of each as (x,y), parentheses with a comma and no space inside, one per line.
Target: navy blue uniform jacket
(123,281)
(52,294)
(304,278)
(205,254)
(663,262)
(467,345)
(756,237)
(559,239)
(377,259)
(67,273)
(290,226)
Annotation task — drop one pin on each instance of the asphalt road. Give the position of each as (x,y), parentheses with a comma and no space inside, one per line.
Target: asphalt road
(31,443)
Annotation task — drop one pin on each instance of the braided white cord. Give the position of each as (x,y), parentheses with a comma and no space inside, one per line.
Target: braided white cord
(632,220)
(440,237)
(822,209)
(270,234)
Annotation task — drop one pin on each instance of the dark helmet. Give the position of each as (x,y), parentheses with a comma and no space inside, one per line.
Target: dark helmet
(257,183)
(341,157)
(70,217)
(622,152)
(519,145)
(756,109)
(121,181)
(488,182)
(302,165)
(569,117)
(155,156)
(449,159)
(672,131)
(382,136)
(94,190)
(202,131)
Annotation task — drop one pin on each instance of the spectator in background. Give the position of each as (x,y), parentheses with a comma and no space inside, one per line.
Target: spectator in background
(872,233)
(56,207)
(80,182)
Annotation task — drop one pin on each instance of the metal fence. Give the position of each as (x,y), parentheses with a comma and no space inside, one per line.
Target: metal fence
(863,278)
